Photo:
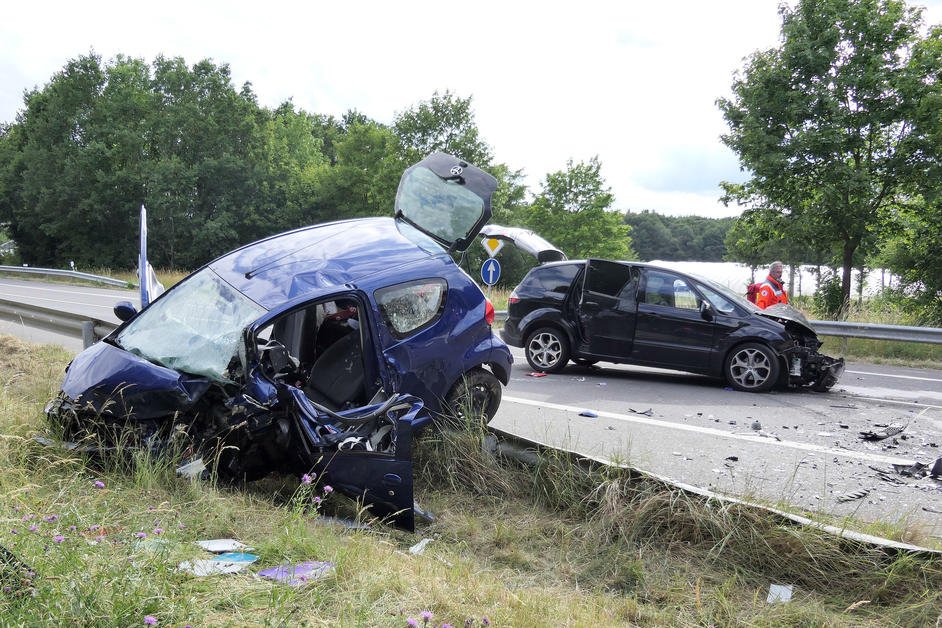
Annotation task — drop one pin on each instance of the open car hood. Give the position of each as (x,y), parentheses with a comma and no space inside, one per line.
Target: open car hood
(525,240)
(785,313)
(446,198)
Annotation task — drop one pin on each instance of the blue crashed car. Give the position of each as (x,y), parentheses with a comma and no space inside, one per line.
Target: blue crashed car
(321,349)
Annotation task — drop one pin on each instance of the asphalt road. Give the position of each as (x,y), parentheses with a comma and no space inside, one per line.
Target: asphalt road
(803,449)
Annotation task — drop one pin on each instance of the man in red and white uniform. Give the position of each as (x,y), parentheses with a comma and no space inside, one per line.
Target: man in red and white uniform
(771,290)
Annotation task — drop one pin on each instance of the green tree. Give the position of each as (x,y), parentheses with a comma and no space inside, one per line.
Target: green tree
(572,211)
(824,122)
(443,123)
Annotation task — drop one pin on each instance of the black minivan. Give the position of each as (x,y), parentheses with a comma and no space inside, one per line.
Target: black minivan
(635,313)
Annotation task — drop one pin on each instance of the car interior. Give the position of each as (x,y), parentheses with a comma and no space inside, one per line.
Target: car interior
(319,349)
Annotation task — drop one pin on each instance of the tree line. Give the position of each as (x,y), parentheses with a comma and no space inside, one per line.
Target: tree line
(216,170)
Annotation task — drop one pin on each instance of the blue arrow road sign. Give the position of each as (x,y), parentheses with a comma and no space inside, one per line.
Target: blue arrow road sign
(490,271)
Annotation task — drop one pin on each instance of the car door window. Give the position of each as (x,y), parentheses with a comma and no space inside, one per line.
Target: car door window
(718,301)
(670,290)
(617,282)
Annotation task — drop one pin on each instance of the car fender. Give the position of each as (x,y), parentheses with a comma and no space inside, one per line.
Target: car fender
(551,317)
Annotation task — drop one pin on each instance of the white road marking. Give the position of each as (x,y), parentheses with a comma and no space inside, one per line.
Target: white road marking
(922,379)
(59,301)
(752,438)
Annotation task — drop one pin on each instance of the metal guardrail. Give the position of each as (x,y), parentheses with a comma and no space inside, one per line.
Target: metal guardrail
(844,329)
(91,330)
(71,274)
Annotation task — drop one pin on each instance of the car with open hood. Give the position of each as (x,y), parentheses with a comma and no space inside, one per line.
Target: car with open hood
(597,310)
(320,350)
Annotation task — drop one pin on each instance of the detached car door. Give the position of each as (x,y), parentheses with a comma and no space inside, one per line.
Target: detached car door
(607,309)
(670,330)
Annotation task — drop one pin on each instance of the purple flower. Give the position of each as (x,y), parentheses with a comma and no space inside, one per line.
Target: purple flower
(328,489)
(181,526)
(412,622)
(158,531)
(27,517)
(141,535)
(58,538)
(447,626)
(99,484)
(426,616)
(72,528)
(33,528)
(317,500)
(306,479)
(93,527)
(485,621)
(150,620)
(51,518)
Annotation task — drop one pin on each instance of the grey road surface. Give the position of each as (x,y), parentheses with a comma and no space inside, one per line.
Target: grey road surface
(797,448)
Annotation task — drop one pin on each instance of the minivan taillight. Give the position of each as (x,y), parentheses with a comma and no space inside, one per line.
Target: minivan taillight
(488,311)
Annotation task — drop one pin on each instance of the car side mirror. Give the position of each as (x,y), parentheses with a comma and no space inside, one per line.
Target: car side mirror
(124,310)
(706,311)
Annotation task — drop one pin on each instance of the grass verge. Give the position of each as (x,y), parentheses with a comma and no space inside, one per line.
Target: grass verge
(553,544)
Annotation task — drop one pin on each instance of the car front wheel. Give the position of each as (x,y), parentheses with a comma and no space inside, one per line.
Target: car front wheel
(547,350)
(752,367)
(473,399)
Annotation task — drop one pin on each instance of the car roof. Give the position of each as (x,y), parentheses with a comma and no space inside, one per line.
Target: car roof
(321,257)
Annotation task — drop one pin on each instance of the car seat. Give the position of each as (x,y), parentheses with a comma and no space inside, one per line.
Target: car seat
(336,377)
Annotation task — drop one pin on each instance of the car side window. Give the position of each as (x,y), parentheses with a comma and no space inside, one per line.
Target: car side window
(663,288)
(408,307)
(614,280)
(719,302)
(552,282)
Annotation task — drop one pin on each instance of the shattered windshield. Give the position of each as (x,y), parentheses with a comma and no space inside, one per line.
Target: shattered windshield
(444,209)
(195,328)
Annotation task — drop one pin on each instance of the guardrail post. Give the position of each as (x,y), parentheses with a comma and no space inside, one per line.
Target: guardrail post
(88,334)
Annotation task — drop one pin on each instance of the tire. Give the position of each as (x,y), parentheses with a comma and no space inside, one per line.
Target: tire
(751,367)
(474,399)
(584,361)
(547,350)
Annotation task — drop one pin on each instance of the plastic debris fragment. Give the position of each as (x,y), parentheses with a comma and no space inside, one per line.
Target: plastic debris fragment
(419,547)
(236,557)
(648,412)
(211,567)
(299,574)
(779,593)
(217,546)
(886,432)
(535,374)
(589,413)
(847,497)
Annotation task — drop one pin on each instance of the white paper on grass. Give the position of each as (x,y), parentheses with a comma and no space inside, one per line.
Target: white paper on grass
(779,593)
(218,546)
(211,567)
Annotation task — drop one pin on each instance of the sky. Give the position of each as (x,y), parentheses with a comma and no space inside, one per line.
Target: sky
(633,83)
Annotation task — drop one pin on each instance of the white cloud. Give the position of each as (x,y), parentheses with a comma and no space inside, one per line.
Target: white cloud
(634,83)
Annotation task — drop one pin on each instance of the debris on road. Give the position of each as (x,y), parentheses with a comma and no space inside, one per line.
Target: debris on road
(733,458)
(536,374)
(886,432)
(648,412)
(756,426)
(589,413)
(848,497)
